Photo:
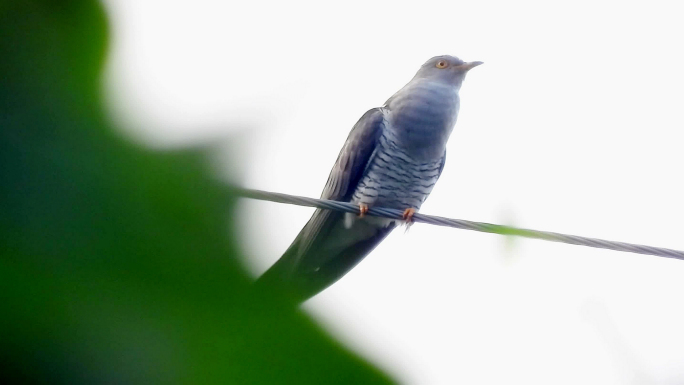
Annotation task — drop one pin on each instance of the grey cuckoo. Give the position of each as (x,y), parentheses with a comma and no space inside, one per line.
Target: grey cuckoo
(392,158)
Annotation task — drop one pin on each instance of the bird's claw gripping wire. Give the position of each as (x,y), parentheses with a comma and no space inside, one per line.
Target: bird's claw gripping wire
(363,210)
(408,215)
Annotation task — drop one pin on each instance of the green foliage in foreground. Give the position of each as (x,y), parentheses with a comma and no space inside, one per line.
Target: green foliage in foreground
(116,265)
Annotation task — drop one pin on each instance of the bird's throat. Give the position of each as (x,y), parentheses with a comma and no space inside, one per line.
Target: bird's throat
(422,120)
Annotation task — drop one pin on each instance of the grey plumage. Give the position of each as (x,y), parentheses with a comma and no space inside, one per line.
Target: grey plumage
(392,158)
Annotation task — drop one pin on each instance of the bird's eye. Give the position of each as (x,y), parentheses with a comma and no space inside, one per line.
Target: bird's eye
(442,64)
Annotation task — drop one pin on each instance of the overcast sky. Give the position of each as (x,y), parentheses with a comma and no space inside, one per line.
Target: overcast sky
(573,124)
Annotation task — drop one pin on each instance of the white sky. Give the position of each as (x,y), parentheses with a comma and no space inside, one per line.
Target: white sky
(574,124)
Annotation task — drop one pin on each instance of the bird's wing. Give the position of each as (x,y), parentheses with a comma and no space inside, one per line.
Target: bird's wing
(301,258)
(354,156)
(344,176)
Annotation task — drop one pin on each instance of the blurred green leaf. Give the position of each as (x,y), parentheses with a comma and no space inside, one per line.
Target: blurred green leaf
(116,265)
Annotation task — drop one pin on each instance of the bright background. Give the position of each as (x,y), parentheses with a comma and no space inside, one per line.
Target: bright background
(574,124)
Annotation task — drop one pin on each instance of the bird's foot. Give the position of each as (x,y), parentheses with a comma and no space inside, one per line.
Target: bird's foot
(408,215)
(363,209)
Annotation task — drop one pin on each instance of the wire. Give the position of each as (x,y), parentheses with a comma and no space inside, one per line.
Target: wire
(460,223)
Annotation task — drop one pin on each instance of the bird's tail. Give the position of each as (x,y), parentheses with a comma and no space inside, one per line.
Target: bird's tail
(286,277)
(279,276)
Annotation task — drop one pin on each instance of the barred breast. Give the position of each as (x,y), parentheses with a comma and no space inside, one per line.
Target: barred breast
(394,179)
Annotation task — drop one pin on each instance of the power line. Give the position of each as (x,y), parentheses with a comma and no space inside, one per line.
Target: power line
(460,223)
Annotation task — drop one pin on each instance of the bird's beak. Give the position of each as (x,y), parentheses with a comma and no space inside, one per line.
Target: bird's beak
(465,67)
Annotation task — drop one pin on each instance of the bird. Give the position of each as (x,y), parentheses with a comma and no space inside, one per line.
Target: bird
(392,158)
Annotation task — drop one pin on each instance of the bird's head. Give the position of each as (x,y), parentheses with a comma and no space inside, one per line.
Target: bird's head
(446,69)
